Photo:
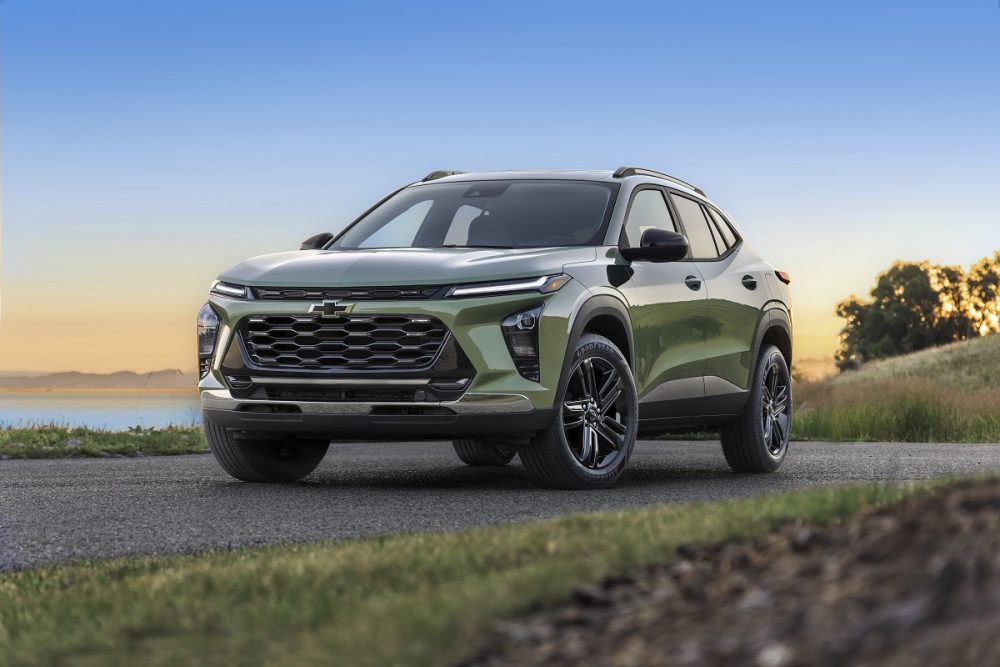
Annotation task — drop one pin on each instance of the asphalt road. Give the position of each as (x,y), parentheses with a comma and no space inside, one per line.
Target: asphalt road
(58,510)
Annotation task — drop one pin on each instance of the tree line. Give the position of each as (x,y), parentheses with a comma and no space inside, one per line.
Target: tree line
(915,305)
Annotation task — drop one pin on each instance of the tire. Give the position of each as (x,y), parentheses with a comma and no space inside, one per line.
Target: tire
(578,450)
(282,458)
(758,440)
(482,453)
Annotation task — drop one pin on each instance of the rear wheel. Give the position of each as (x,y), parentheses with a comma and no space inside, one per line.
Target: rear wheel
(758,440)
(483,453)
(281,458)
(595,425)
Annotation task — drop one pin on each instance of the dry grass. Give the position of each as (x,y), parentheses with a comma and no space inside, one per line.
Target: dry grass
(945,394)
(908,410)
(966,365)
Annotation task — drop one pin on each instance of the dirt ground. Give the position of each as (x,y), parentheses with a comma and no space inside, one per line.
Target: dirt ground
(915,584)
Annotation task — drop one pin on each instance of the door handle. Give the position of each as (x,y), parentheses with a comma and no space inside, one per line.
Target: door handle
(749,282)
(693,282)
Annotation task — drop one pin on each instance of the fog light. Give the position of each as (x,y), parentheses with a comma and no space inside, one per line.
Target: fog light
(520,330)
(208,330)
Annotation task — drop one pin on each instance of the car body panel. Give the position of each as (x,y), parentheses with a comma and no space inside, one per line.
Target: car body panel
(670,324)
(377,267)
(735,313)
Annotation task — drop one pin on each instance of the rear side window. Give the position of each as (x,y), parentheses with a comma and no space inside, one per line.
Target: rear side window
(700,242)
(724,227)
(648,211)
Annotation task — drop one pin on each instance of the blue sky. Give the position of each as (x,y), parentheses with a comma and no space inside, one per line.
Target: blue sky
(147,146)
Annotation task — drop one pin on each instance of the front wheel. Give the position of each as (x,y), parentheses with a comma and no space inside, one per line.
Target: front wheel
(280,458)
(595,423)
(758,440)
(483,453)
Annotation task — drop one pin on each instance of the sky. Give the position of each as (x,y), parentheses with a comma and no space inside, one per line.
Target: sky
(148,146)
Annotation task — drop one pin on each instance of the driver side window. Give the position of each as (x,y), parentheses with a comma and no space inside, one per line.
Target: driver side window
(648,211)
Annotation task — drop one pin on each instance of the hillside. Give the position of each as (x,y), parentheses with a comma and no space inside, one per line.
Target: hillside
(970,364)
(166,379)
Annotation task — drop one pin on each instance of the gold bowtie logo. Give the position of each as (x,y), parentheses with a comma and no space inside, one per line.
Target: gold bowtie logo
(333,309)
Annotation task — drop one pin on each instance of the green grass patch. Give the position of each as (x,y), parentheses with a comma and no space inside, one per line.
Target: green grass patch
(902,411)
(420,599)
(54,441)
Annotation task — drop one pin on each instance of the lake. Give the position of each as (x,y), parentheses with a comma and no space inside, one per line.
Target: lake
(98,409)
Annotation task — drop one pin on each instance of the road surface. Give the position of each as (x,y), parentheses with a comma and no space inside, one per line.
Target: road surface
(67,509)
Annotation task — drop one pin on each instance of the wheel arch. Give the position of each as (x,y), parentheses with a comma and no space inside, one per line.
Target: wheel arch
(776,329)
(605,316)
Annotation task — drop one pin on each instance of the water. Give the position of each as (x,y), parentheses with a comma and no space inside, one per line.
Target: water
(109,410)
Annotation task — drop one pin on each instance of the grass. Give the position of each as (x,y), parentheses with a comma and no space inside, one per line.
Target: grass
(419,599)
(54,441)
(913,410)
(967,365)
(945,394)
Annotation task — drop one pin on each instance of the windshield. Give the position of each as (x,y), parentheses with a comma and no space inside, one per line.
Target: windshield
(487,214)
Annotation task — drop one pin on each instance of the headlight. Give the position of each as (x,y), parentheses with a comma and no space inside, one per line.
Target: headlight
(520,330)
(229,290)
(208,330)
(542,285)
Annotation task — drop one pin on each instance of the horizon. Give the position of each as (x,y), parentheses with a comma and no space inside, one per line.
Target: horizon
(134,176)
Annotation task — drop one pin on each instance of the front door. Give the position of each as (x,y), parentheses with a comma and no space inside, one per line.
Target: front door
(668,308)
(736,291)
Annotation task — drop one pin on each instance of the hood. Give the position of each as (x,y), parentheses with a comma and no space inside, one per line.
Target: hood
(401,266)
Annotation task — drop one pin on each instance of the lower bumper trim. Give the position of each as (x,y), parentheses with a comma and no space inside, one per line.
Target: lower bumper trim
(473,415)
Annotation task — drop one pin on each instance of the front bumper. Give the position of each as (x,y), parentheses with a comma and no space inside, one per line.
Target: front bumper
(495,401)
(471,415)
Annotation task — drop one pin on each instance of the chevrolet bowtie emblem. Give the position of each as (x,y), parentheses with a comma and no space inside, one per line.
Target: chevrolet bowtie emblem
(331,309)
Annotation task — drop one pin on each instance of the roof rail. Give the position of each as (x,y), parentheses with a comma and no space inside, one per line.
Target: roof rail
(622,172)
(434,175)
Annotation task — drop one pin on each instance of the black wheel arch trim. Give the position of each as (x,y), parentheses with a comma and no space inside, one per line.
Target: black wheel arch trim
(774,318)
(595,306)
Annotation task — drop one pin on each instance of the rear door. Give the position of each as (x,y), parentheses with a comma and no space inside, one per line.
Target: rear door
(668,309)
(736,293)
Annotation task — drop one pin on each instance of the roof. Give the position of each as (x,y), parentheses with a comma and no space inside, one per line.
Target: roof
(604,176)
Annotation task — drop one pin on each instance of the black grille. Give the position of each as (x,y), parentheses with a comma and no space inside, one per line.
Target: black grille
(357,342)
(352,293)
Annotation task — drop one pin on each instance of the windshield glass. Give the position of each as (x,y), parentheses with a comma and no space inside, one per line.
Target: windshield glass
(487,214)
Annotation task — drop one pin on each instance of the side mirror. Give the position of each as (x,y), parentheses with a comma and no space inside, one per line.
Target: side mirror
(658,245)
(315,242)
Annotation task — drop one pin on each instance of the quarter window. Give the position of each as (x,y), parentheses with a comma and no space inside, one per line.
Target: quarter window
(649,211)
(724,227)
(700,242)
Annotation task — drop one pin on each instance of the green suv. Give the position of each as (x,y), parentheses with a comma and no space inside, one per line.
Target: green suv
(556,315)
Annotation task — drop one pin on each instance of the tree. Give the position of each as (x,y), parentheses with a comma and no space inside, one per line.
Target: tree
(983,286)
(912,306)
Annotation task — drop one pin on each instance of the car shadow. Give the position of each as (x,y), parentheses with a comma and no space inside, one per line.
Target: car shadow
(697,470)
(511,477)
